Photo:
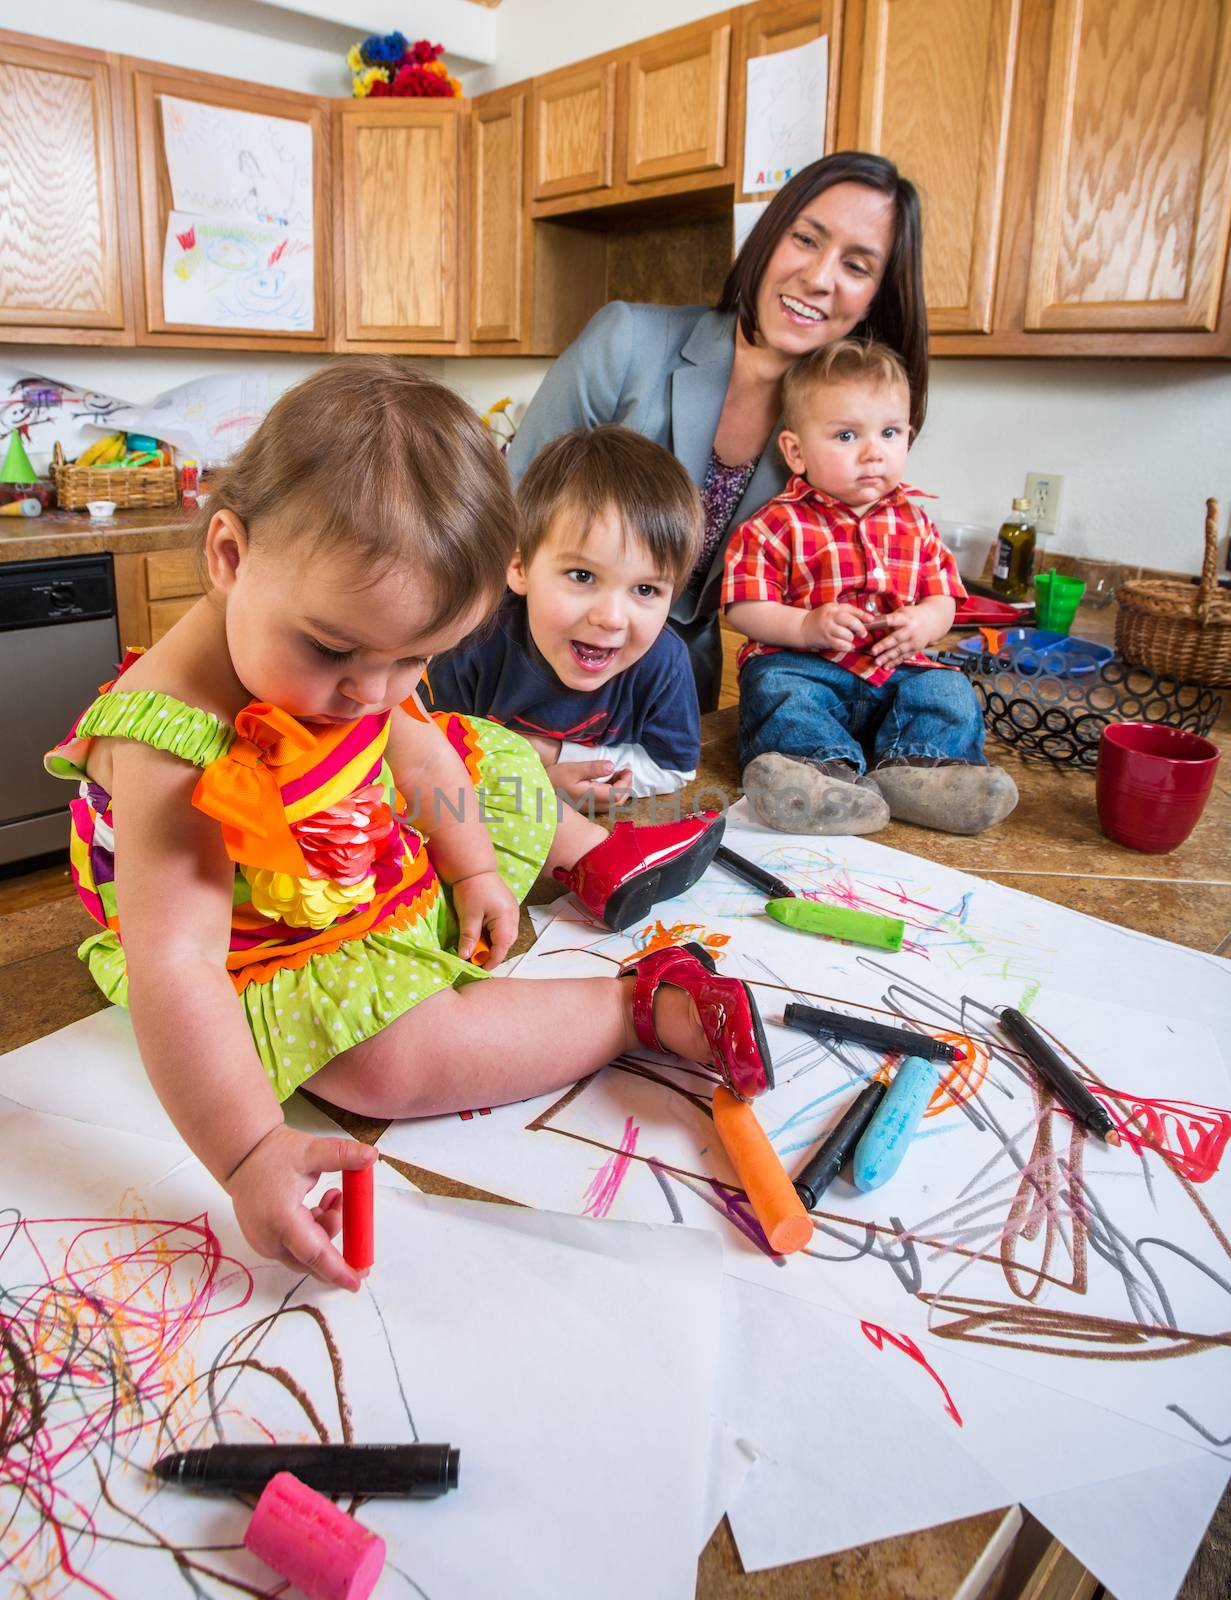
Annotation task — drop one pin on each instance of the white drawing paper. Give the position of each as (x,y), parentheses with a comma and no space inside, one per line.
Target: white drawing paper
(91,1073)
(572,1365)
(1008,1236)
(784,117)
(48,410)
(243,276)
(1138,1534)
(238,166)
(795,1376)
(844,1460)
(210,418)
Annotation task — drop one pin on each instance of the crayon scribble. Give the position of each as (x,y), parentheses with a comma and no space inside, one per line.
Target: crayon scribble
(102,1371)
(1193,1138)
(605,1185)
(880,1337)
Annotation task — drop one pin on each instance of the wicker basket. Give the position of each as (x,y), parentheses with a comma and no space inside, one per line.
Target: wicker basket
(1170,626)
(134,487)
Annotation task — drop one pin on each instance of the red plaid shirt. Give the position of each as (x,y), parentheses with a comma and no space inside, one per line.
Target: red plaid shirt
(807,549)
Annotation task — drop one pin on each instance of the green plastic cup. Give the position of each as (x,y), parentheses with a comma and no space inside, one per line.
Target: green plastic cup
(1056,600)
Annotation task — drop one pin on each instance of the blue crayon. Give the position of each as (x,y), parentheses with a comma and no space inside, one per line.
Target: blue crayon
(878,1155)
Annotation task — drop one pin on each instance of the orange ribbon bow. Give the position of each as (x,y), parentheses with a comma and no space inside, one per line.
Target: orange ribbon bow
(240,791)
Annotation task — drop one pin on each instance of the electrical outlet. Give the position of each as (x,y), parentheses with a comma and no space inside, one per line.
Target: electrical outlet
(1043,492)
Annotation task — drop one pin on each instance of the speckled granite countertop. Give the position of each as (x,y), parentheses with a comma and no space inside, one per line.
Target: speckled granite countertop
(73,533)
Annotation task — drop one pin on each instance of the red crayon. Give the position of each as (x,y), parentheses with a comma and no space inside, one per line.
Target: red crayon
(359,1218)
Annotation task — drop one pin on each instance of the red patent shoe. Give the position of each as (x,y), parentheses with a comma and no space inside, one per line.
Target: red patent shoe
(727,1009)
(636,867)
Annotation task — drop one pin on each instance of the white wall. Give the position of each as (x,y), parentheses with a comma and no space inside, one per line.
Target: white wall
(539,35)
(234,37)
(1140,444)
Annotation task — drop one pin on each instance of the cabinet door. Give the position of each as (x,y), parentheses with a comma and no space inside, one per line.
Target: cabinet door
(1134,190)
(768,28)
(60,248)
(573,129)
(497,188)
(677,112)
(935,97)
(245,262)
(400,173)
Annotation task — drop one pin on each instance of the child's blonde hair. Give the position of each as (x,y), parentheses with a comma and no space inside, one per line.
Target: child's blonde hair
(846,360)
(374,460)
(592,470)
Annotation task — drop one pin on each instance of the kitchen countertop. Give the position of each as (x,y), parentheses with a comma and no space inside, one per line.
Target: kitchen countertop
(72,533)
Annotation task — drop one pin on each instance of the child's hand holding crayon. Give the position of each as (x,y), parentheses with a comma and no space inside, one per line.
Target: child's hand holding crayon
(268,1189)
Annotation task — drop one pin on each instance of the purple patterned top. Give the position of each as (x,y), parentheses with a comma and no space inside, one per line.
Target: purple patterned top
(720,494)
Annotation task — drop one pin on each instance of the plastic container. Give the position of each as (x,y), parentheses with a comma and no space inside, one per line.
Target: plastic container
(1038,651)
(1056,599)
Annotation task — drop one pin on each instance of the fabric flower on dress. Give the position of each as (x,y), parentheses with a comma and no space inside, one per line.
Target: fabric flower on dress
(305,902)
(343,842)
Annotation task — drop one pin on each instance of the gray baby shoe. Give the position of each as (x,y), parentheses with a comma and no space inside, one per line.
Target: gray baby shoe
(957,799)
(799,796)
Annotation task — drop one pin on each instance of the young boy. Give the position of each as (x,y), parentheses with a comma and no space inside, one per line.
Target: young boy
(579,659)
(839,583)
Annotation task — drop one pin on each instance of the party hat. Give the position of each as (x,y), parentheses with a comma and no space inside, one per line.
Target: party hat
(17,468)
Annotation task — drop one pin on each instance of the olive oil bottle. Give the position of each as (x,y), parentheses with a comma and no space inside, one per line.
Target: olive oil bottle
(1014,553)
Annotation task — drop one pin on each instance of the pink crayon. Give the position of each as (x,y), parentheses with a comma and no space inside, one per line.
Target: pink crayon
(309,1542)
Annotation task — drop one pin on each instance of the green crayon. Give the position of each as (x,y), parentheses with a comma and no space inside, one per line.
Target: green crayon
(838,922)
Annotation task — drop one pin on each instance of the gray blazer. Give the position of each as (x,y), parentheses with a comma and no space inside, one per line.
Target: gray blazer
(663,371)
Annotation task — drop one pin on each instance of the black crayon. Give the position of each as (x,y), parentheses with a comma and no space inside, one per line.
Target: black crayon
(1061,1080)
(751,873)
(417,1471)
(835,1024)
(835,1149)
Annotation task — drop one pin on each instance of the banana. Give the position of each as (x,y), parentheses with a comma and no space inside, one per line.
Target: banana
(109,448)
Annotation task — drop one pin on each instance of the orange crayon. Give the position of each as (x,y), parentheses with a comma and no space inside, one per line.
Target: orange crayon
(770,1192)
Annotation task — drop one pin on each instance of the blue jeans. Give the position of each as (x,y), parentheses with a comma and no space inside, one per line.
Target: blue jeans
(792,703)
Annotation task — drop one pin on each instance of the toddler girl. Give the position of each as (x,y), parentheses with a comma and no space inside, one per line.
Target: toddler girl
(296,868)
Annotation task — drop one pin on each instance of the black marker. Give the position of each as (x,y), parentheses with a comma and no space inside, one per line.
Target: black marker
(835,1149)
(835,1024)
(419,1471)
(751,873)
(1061,1080)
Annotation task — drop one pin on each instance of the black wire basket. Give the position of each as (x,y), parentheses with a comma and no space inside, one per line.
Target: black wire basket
(1054,709)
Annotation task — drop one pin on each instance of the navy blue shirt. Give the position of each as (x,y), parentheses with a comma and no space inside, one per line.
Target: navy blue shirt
(504,677)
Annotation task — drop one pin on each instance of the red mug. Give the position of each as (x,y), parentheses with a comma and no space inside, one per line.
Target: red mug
(1152,783)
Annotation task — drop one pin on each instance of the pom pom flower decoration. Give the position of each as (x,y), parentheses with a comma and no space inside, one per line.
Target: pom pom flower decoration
(386,65)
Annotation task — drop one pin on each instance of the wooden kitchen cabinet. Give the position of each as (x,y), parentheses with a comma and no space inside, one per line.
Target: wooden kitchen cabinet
(574,127)
(677,92)
(498,216)
(1134,189)
(63,245)
(153,591)
(400,256)
(935,96)
(256,278)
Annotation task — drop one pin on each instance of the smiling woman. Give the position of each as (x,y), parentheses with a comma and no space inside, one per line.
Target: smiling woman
(837,253)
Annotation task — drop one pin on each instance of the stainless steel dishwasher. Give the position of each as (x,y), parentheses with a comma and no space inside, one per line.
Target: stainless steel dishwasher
(58,642)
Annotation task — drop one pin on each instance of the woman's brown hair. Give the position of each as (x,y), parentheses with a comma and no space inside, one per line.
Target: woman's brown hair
(898,315)
(373,460)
